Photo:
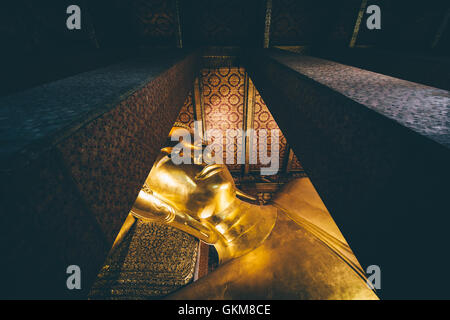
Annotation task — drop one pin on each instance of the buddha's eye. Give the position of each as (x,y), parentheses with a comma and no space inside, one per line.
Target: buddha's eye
(209,171)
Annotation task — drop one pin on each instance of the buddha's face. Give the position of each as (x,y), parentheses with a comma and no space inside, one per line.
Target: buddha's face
(201,199)
(199,190)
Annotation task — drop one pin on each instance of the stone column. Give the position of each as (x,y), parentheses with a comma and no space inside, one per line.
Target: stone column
(377,150)
(75,154)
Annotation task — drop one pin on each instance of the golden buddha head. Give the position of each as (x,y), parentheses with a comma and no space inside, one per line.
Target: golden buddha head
(200,197)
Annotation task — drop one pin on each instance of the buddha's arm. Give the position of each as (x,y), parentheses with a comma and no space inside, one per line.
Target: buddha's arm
(299,200)
(291,264)
(305,257)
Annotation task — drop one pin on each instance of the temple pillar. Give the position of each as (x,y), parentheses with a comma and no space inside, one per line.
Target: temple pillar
(77,153)
(377,150)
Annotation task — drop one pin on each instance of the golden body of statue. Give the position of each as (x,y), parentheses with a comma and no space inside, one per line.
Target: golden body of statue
(289,249)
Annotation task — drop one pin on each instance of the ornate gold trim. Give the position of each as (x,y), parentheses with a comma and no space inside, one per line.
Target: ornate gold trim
(358,23)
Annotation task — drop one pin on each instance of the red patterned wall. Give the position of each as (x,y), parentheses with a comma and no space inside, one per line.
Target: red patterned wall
(223,99)
(263,119)
(296,165)
(223,94)
(186,115)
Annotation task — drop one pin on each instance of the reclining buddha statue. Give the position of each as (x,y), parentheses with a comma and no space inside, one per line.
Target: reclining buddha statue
(288,249)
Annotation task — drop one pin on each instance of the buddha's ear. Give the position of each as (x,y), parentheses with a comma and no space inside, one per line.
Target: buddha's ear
(244,196)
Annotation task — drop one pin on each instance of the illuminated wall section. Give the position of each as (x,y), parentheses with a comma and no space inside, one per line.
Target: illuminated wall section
(223,97)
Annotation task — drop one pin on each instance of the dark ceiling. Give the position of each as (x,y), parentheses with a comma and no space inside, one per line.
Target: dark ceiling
(27,25)
(34,37)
